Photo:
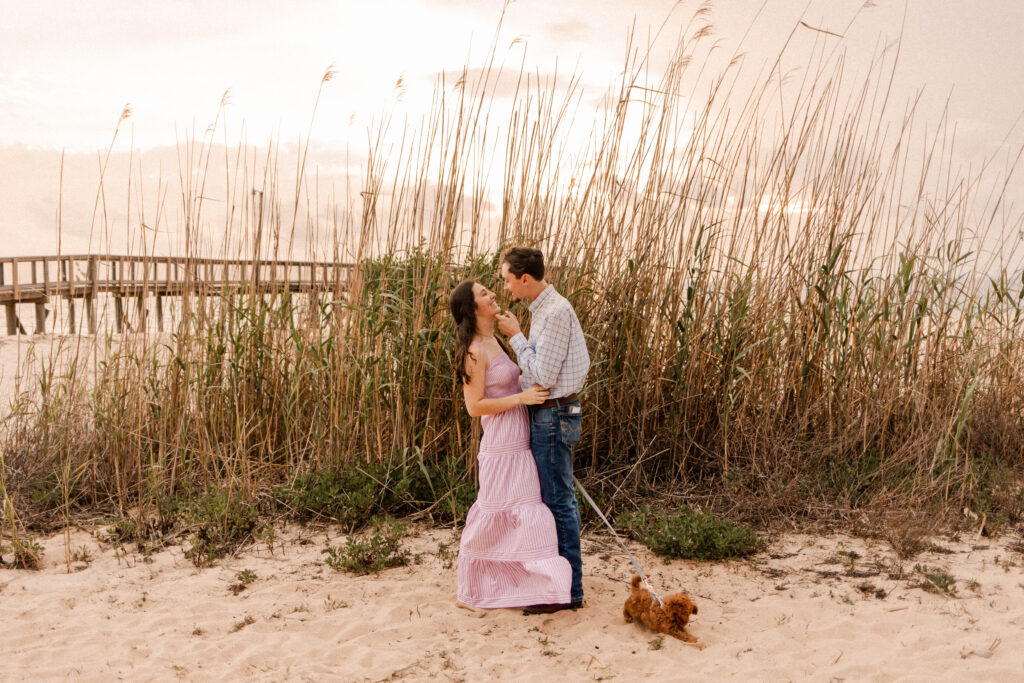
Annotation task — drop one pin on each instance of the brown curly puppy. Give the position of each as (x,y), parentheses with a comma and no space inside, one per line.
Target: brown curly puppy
(670,617)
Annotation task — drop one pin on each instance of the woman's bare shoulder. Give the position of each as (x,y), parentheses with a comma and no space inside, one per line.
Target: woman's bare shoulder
(477,356)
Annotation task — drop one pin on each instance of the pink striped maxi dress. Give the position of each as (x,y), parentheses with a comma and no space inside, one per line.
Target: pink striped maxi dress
(508,556)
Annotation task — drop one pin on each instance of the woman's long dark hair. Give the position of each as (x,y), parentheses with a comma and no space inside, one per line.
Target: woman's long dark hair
(463,305)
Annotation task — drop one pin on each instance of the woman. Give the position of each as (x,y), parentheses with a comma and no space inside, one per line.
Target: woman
(508,556)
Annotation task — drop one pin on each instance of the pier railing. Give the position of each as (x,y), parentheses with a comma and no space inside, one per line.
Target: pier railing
(37,279)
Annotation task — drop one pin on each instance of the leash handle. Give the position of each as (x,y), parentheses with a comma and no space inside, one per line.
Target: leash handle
(643,577)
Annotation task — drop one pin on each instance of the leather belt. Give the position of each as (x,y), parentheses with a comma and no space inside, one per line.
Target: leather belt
(555,402)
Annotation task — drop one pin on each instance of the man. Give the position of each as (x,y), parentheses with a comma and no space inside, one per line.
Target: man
(555,357)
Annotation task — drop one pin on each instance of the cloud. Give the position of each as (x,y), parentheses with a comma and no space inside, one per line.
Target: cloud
(577,31)
(32,189)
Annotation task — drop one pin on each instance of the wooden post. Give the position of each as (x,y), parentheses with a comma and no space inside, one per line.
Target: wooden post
(118,314)
(40,316)
(90,298)
(90,275)
(90,313)
(159,313)
(142,313)
(12,318)
(71,315)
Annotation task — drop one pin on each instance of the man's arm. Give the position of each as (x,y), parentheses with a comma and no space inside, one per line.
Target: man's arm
(541,358)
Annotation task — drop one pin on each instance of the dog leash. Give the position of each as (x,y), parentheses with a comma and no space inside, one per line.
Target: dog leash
(647,584)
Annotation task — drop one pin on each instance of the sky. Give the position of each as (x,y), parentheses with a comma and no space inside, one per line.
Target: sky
(69,69)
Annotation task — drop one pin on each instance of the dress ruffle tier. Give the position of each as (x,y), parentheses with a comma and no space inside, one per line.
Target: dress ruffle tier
(508,556)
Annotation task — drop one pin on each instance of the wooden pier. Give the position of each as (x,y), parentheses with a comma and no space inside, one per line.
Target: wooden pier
(37,279)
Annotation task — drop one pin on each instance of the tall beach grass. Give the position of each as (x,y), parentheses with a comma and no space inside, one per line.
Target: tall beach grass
(793,310)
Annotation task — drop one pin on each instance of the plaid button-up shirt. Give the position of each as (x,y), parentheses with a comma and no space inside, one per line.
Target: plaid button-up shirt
(555,356)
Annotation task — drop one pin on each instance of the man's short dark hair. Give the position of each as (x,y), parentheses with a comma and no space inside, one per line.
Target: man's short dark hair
(525,261)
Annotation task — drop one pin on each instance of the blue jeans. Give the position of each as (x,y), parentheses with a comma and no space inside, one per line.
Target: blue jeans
(553,431)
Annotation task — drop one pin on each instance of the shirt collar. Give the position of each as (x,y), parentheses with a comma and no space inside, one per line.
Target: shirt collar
(539,302)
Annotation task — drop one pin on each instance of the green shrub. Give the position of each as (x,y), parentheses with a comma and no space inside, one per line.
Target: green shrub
(690,535)
(354,496)
(995,493)
(223,522)
(347,498)
(46,495)
(372,552)
(122,531)
(149,534)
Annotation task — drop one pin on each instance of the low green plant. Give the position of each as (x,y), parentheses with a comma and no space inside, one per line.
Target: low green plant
(28,554)
(223,522)
(445,554)
(347,497)
(936,580)
(692,535)
(47,494)
(122,531)
(995,493)
(354,496)
(248,621)
(243,579)
(371,552)
(81,554)
(148,535)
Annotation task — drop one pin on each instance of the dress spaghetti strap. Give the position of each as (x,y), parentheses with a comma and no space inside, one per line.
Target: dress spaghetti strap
(489,359)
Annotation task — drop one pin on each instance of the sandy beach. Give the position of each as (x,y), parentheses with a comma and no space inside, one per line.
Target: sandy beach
(829,607)
(822,608)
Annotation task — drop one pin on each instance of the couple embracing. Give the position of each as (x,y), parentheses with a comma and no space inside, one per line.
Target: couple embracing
(521,543)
